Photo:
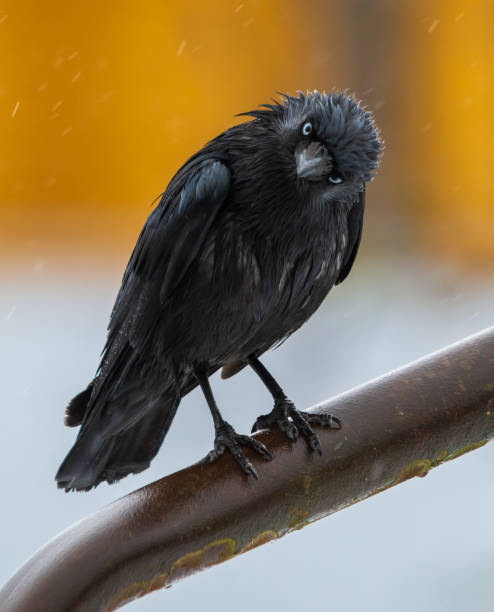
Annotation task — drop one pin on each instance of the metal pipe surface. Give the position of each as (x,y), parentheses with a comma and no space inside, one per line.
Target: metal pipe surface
(394,428)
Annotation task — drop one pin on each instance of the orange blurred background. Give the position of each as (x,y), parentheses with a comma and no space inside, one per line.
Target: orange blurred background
(100,103)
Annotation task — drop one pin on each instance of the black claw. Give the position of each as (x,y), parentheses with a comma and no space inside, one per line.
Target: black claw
(251,470)
(262,450)
(315,444)
(255,428)
(335,422)
(255,445)
(214,454)
(290,430)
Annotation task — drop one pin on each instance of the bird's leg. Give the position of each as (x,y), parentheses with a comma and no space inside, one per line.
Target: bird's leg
(225,436)
(284,414)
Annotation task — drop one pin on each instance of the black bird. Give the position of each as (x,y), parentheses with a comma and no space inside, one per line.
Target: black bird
(245,243)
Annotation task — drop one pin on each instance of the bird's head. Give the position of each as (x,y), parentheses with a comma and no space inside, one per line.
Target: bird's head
(329,141)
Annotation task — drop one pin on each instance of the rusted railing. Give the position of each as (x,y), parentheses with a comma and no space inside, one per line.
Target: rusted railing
(395,427)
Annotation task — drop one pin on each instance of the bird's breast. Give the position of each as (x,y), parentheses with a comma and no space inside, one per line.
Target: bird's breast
(288,267)
(250,289)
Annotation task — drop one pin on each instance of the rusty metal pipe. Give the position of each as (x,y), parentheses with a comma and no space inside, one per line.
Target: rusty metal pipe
(395,427)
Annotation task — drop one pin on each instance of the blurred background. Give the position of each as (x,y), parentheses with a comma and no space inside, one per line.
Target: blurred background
(100,103)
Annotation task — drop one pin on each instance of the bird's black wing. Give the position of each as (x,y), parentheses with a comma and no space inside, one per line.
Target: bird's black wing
(167,246)
(355,223)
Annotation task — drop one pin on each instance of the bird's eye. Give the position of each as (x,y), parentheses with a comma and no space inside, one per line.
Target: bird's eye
(307,128)
(336,180)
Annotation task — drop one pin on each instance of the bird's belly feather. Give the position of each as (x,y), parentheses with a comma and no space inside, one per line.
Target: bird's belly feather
(248,301)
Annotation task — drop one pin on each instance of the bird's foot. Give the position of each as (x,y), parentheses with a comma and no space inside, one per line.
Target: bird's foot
(293,422)
(228,439)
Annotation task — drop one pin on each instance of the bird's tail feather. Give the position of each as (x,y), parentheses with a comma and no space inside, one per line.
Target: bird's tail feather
(95,458)
(76,410)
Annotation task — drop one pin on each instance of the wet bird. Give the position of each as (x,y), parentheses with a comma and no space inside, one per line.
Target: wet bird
(247,240)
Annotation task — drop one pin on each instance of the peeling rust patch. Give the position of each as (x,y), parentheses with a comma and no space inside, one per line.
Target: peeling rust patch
(190,563)
(137,589)
(262,538)
(441,457)
(298,520)
(213,553)
(466,449)
(307,483)
(420,467)
(299,526)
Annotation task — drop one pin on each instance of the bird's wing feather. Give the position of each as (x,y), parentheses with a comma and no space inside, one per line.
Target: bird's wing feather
(167,246)
(355,222)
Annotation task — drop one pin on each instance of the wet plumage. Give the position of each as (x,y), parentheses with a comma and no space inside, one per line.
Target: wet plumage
(244,245)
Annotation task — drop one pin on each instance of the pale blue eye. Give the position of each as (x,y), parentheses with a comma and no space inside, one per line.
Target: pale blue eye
(307,128)
(336,180)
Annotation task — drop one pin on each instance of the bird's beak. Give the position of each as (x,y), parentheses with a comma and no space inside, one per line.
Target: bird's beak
(312,160)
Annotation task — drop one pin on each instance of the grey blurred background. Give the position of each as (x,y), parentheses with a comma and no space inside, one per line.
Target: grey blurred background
(427,544)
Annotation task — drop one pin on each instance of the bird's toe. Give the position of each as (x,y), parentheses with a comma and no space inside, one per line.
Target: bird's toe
(227,439)
(293,422)
(326,420)
(256,446)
